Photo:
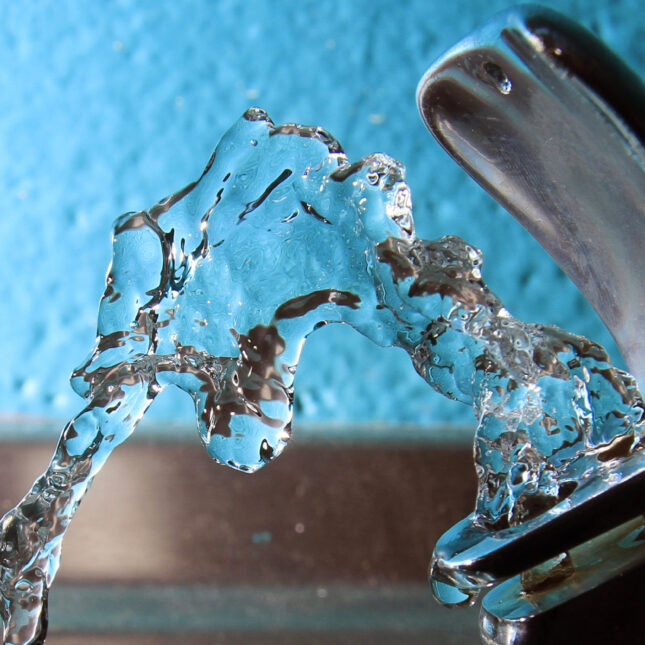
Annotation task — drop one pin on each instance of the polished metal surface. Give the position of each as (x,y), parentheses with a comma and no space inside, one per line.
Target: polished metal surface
(580,603)
(471,554)
(552,124)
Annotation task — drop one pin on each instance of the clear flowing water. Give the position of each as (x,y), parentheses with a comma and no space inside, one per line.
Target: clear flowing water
(215,290)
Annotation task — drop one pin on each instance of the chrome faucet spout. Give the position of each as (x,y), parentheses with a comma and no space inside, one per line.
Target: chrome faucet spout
(552,124)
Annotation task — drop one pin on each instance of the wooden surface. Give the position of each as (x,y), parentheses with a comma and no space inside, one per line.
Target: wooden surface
(328,544)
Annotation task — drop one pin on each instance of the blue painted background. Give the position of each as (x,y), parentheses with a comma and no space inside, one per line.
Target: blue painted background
(107,107)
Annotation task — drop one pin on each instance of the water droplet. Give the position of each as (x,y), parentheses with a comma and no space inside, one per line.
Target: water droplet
(498,77)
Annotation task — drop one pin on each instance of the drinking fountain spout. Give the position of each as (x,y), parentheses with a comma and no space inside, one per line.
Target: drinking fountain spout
(552,124)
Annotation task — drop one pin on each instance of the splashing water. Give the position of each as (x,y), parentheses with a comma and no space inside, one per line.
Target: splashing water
(215,289)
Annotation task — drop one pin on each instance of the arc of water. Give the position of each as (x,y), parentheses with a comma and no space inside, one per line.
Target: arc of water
(215,289)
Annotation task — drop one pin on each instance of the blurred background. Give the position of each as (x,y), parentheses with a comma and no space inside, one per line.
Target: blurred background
(107,107)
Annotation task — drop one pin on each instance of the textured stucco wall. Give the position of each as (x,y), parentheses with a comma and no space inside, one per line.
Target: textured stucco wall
(106,107)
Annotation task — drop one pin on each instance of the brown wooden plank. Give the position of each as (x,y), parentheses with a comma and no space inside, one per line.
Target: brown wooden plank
(319,514)
(302,638)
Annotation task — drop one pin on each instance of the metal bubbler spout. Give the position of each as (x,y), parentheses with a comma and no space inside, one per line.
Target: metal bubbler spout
(552,124)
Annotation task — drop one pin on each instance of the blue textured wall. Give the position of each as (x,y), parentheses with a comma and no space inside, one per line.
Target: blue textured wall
(106,107)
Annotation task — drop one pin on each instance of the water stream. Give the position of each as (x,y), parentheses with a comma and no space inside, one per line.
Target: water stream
(215,290)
